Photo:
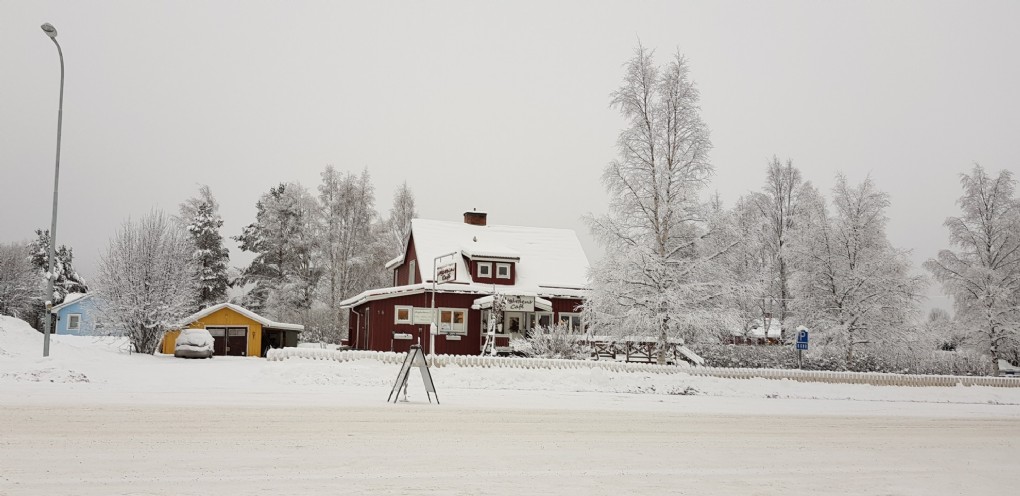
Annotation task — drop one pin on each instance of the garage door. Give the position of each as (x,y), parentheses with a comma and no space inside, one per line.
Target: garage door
(229,340)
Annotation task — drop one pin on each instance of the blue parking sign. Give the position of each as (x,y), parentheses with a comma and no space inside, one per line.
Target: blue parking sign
(802,339)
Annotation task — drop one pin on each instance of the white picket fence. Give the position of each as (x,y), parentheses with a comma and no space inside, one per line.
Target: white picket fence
(873,378)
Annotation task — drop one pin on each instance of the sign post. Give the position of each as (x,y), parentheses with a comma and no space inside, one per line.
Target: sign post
(802,344)
(415,358)
(447,272)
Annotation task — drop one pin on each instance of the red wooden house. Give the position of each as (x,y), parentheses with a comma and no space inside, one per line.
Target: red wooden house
(541,271)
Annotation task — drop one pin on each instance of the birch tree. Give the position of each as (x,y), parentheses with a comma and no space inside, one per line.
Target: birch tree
(200,216)
(778,204)
(855,287)
(349,240)
(21,283)
(662,256)
(983,276)
(398,225)
(146,280)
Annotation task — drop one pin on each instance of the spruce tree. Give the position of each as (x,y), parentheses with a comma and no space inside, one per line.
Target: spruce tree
(200,215)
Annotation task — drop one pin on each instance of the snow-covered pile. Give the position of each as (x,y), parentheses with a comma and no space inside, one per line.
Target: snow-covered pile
(21,357)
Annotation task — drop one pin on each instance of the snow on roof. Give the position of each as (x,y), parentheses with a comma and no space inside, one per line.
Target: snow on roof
(477,289)
(486,302)
(243,311)
(477,249)
(757,330)
(69,299)
(547,257)
(395,262)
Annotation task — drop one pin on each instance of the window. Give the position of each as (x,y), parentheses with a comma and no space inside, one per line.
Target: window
(543,320)
(502,271)
(74,322)
(484,269)
(453,320)
(572,321)
(402,314)
(411,272)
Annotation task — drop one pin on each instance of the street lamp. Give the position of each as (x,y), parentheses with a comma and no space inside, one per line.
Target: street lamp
(50,276)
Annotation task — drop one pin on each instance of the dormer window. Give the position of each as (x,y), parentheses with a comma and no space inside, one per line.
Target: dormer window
(485,269)
(502,271)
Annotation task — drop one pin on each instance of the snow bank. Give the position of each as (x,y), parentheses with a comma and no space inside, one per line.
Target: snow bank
(21,357)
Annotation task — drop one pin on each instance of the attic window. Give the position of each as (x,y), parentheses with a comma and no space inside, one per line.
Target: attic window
(484,269)
(502,271)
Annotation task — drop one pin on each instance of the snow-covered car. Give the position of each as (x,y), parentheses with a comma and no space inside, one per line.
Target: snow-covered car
(194,343)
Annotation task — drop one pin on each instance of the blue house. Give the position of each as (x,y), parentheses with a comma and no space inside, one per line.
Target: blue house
(76,315)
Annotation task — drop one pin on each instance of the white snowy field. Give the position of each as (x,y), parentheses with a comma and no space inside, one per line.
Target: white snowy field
(92,419)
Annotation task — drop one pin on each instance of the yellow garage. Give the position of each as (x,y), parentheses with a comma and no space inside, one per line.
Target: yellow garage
(238,331)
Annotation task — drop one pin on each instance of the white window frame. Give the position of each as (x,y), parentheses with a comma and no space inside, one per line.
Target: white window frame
(536,316)
(396,314)
(503,266)
(461,328)
(411,272)
(570,320)
(77,327)
(487,266)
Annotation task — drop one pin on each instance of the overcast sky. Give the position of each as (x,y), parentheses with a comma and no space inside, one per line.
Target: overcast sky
(499,107)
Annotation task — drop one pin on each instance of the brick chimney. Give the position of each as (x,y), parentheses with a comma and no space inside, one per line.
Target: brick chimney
(474,218)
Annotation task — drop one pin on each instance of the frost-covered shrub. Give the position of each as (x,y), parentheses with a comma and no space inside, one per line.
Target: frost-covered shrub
(866,359)
(554,342)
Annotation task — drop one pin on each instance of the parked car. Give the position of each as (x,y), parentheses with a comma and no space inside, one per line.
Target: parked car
(194,343)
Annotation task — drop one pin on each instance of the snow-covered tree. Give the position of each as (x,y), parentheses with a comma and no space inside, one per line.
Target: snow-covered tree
(20,283)
(983,277)
(398,225)
(67,279)
(664,269)
(146,279)
(283,237)
(854,287)
(778,205)
(349,240)
(201,217)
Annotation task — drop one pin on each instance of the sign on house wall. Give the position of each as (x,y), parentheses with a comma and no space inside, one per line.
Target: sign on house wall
(517,303)
(422,316)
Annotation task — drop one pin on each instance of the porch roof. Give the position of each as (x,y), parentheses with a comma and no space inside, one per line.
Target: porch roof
(485,302)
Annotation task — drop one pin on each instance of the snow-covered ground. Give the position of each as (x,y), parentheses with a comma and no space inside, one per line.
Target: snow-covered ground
(93,419)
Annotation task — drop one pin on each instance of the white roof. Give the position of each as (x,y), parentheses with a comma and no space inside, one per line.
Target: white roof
(69,299)
(758,330)
(548,257)
(243,311)
(476,249)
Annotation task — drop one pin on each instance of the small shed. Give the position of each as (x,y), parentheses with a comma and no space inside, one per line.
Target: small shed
(237,331)
(76,316)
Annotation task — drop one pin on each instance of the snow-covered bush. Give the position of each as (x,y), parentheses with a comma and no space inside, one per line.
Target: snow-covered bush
(550,342)
(869,359)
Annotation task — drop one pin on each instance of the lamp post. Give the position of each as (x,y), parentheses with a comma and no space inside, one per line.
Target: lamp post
(50,276)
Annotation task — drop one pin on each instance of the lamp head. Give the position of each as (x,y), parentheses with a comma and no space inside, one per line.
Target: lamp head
(49,30)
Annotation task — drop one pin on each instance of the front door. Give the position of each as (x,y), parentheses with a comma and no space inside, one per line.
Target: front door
(514,324)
